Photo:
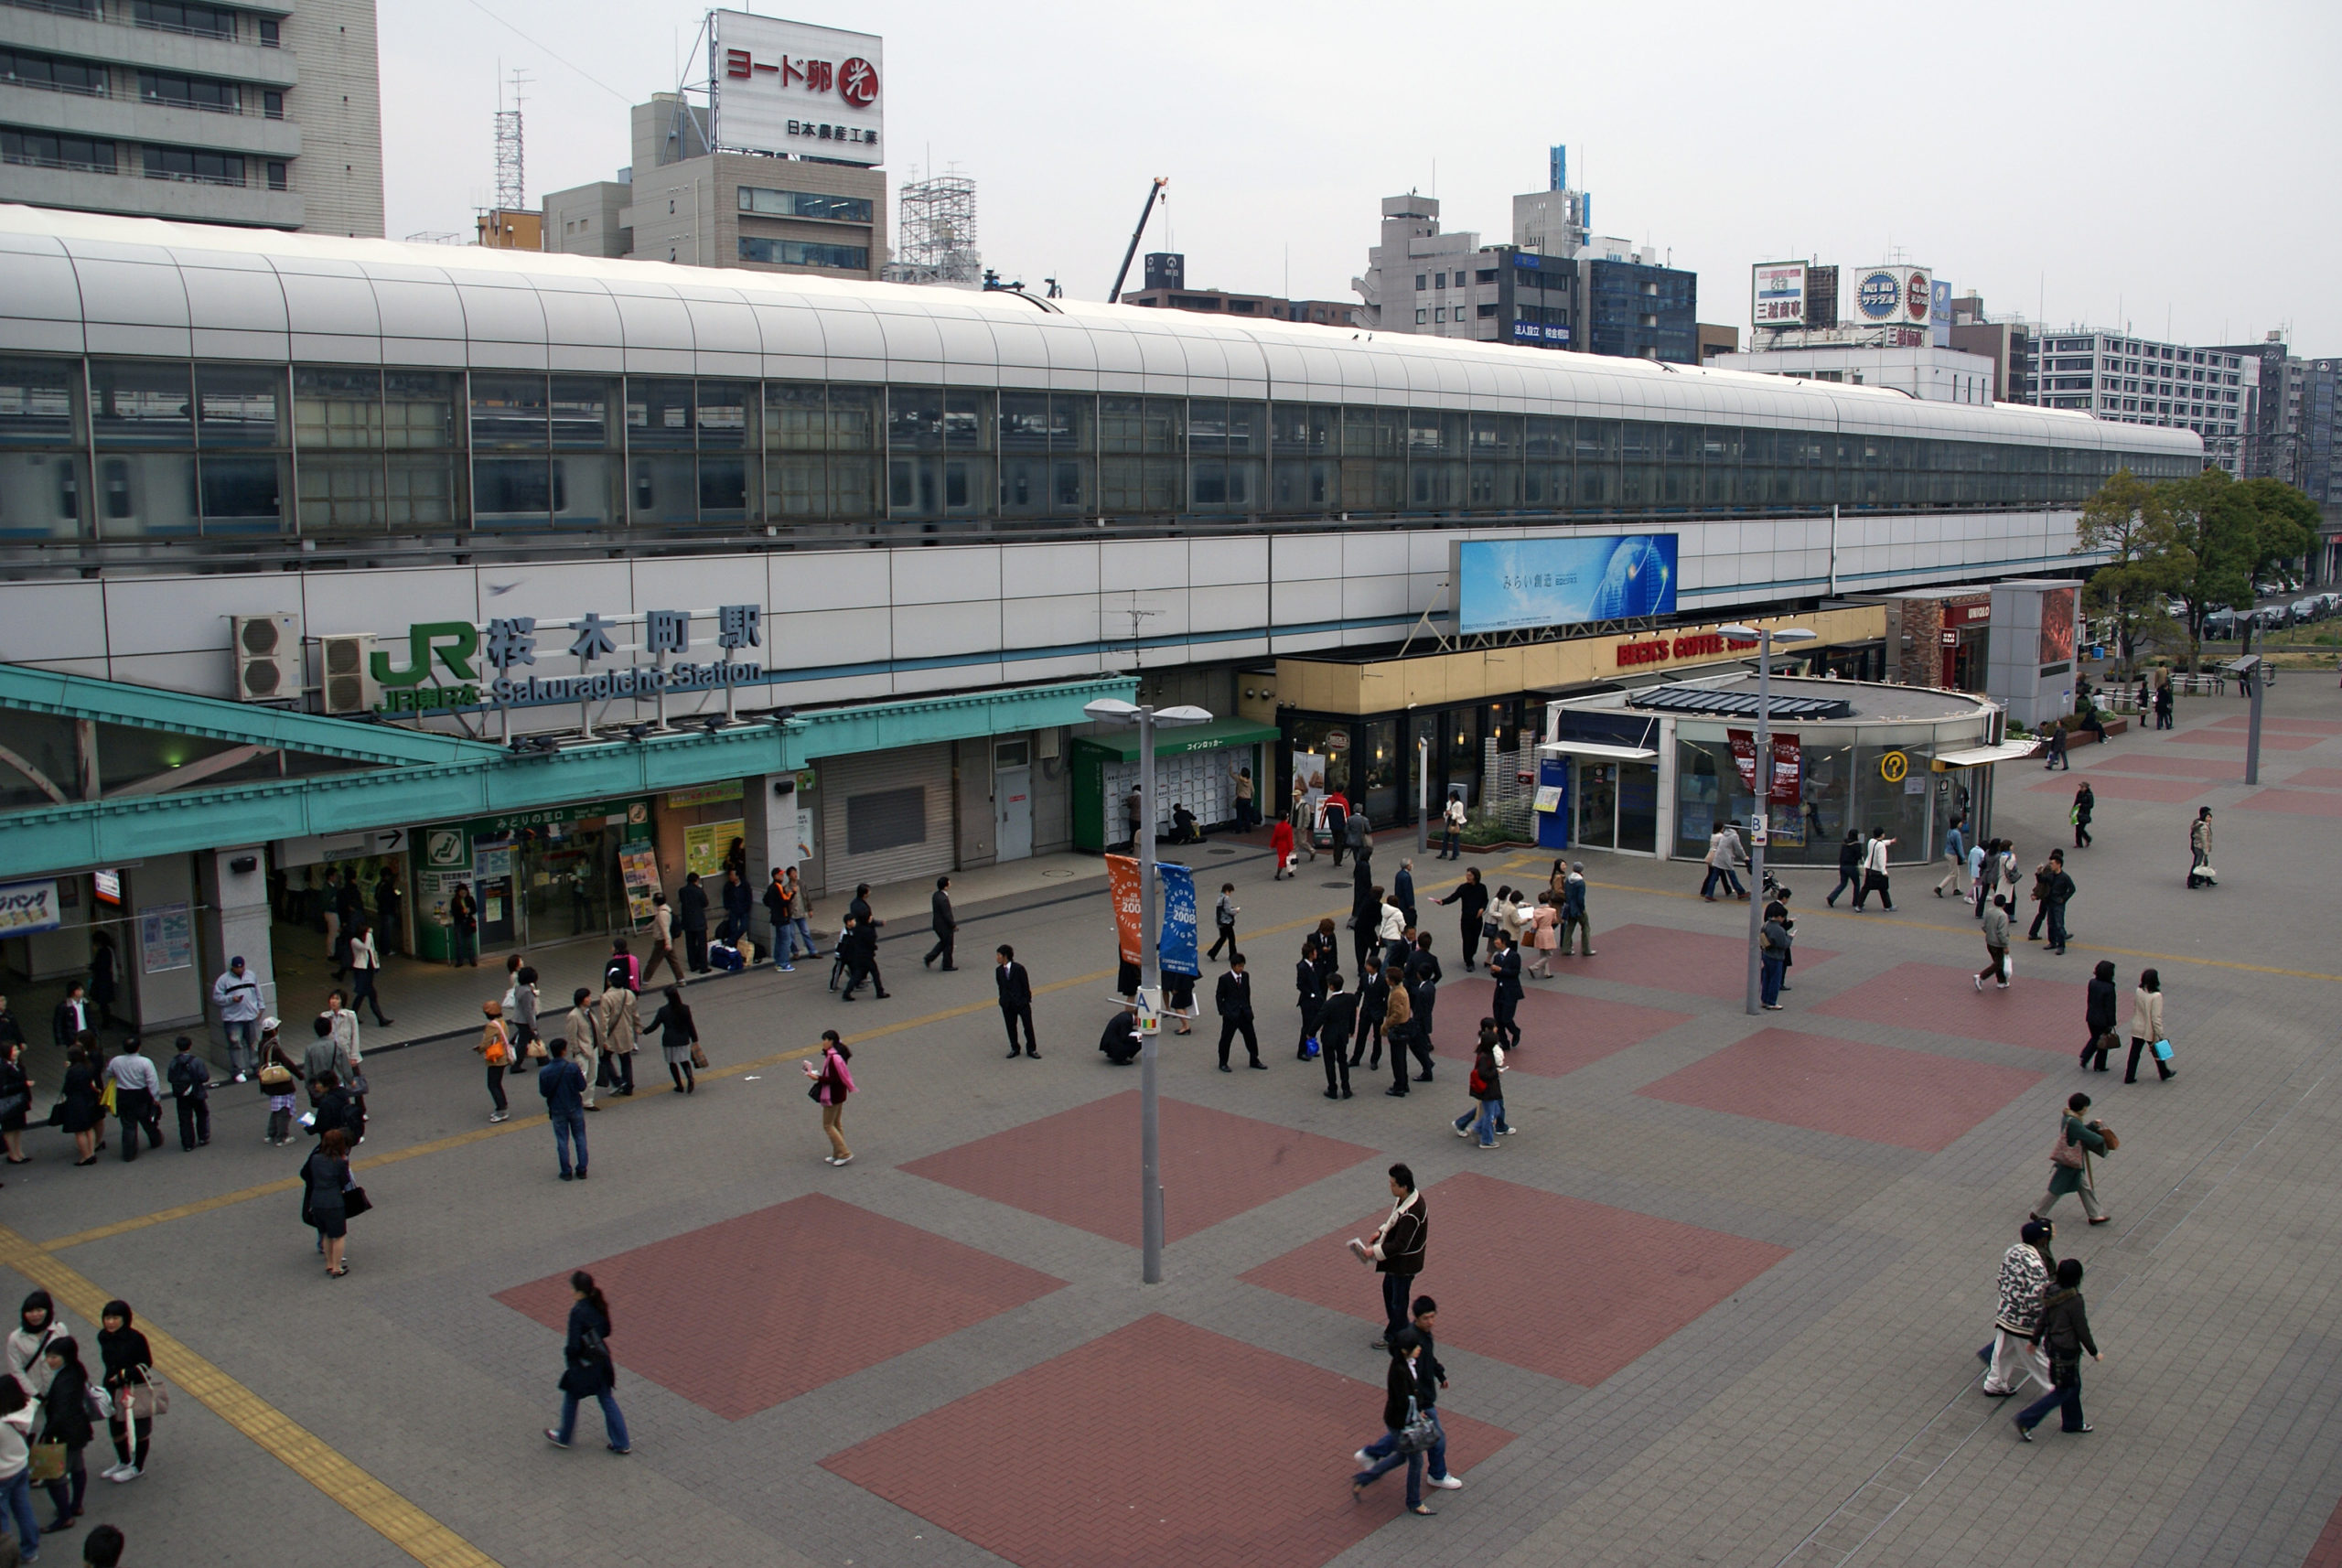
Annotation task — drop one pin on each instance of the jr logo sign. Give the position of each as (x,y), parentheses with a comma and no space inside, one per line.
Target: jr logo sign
(456,644)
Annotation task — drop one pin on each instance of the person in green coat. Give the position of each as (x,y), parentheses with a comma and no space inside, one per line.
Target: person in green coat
(2077,1140)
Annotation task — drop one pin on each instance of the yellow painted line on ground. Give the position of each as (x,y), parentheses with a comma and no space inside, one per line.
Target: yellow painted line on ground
(304,1453)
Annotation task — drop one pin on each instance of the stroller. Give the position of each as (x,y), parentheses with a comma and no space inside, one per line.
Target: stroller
(837,958)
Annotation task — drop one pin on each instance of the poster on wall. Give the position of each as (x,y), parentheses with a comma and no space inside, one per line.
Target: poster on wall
(29,906)
(638,869)
(706,843)
(166,939)
(2057,629)
(1309,772)
(1785,765)
(1513,585)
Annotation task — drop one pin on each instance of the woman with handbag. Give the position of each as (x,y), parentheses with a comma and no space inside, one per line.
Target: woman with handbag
(678,1039)
(832,1081)
(28,1345)
(2069,1169)
(495,1048)
(65,1422)
(279,1079)
(131,1383)
(1402,1419)
(2146,1027)
(81,1108)
(521,1019)
(15,1100)
(325,1181)
(590,1372)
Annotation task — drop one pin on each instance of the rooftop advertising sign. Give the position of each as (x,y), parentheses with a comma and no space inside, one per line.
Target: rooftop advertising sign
(1510,584)
(787,86)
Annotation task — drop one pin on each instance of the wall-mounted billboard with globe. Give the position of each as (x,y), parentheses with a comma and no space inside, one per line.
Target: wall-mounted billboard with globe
(1515,585)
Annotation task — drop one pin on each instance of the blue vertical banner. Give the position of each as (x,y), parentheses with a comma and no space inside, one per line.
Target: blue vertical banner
(1177,948)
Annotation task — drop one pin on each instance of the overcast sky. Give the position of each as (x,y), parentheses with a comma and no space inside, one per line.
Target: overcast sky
(2161,164)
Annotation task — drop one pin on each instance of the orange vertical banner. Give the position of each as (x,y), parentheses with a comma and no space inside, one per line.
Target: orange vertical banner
(1121,882)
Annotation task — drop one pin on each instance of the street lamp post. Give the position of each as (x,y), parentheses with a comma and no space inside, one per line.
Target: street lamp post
(1760,824)
(1113,710)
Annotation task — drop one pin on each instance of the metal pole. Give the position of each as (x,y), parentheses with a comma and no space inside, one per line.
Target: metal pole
(2253,733)
(1423,795)
(1760,818)
(1150,1150)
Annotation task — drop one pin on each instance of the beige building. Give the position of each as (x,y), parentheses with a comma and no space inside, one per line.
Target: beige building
(269,118)
(681,202)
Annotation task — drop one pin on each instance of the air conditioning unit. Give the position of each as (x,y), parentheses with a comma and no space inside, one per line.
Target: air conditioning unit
(267,650)
(349,678)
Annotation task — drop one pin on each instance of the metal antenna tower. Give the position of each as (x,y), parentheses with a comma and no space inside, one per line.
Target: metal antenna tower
(511,163)
(936,236)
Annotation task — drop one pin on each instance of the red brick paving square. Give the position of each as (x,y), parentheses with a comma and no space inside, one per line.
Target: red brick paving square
(1079,1168)
(2220,769)
(2293,726)
(1912,1099)
(800,1295)
(1158,1446)
(2122,787)
(1693,962)
(1936,999)
(1560,1030)
(2318,777)
(2300,803)
(1558,1285)
(2270,740)
(2327,1551)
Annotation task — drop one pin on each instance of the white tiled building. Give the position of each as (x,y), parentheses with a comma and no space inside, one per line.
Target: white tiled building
(2133,381)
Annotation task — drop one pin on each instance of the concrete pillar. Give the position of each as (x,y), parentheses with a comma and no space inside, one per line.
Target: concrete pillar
(236,920)
(771,827)
(167,998)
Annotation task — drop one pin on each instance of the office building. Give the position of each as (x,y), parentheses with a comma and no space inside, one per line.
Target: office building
(1973,332)
(268,118)
(1166,289)
(590,219)
(1716,340)
(1633,306)
(2133,381)
(1932,375)
(2270,444)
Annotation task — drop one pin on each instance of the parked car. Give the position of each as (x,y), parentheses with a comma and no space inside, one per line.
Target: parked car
(2308,610)
(2220,623)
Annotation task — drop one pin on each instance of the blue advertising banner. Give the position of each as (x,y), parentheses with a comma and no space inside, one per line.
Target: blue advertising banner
(1513,585)
(1177,948)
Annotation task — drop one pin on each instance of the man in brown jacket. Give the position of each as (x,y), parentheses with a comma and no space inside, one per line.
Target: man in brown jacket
(1397,1250)
(622,1021)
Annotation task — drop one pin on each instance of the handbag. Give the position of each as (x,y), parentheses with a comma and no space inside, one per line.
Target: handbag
(1420,1433)
(354,1202)
(2063,1153)
(2162,1049)
(14,1105)
(699,1058)
(276,1075)
(146,1398)
(358,1084)
(48,1461)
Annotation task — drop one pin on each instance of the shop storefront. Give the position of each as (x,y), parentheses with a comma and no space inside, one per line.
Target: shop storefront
(1656,771)
(1195,767)
(547,876)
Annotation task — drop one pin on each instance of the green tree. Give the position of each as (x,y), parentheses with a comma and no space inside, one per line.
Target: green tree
(2289,522)
(2125,522)
(2211,536)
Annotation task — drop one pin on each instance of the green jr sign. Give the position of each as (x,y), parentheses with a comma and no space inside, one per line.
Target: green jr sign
(454,644)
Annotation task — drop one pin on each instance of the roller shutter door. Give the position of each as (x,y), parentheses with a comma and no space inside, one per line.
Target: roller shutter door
(885,816)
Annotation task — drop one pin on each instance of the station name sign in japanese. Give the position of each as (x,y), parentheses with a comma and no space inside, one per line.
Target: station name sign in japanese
(787,86)
(1513,585)
(448,663)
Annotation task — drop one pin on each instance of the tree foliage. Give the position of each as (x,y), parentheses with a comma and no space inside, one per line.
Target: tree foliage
(2201,541)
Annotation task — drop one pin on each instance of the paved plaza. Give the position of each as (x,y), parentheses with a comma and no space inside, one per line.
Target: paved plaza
(1717,1302)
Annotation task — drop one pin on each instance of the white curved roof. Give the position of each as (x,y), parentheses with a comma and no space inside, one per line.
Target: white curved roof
(76,283)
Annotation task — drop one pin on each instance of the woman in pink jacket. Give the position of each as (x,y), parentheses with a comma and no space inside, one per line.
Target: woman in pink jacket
(832,1081)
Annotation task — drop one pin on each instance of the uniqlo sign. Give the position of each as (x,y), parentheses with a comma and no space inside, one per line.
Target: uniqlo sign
(786,87)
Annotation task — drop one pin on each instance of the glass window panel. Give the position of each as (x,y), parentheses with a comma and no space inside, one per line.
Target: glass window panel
(796,487)
(1069,484)
(914,419)
(724,490)
(1638,442)
(580,413)
(1121,423)
(664,489)
(1164,425)
(854,419)
(967,421)
(242,495)
(421,491)
(1248,427)
(337,409)
(1207,430)
(1023,424)
(657,415)
(1024,481)
(513,492)
(146,494)
(855,487)
(36,401)
(343,493)
(1073,422)
(419,410)
(508,413)
(795,417)
(40,495)
(585,489)
(141,403)
(1426,428)
(1495,436)
(237,405)
(1547,437)
(725,410)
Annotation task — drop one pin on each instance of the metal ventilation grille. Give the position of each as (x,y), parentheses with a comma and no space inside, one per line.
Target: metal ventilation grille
(262,638)
(1709,703)
(345,656)
(344,693)
(261,676)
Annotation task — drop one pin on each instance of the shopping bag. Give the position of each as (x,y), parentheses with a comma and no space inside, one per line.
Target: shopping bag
(2162,1050)
(2008,968)
(1310,1047)
(48,1462)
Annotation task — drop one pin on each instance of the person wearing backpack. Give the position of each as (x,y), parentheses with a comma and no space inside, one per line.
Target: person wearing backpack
(832,1081)
(2069,1162)
(589,1373)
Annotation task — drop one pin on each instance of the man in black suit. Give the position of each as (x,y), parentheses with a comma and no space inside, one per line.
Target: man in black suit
(860,952)
(1423,974)
(1504,963)
(74,1014)
(692,904)
(1234,1000)
(1015,1000)
(1335,1020)
(947,925)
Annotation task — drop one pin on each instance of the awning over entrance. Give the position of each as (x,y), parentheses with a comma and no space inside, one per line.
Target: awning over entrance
(1601,751)
(1122,744)
(1980,756)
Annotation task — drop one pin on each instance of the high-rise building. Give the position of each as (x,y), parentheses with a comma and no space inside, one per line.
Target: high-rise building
(2133,380)
(269,117)
(2271,443)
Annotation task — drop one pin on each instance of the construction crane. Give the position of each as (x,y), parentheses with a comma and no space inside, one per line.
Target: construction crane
(1153,195)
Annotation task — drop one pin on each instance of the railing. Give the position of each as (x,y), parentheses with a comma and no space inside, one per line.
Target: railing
(178,178)
(98,91)
(78,167)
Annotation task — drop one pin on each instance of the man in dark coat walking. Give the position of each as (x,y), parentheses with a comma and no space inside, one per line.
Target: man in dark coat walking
(946,925)
(691,905)
(1473,895)
(1335,1020)
(1015,987)
(1233,1000)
